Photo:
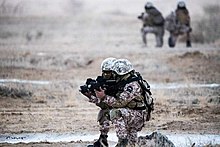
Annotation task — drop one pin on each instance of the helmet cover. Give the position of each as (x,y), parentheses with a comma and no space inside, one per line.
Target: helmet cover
(122,66)
(148,5)
(107,64)
(181,4)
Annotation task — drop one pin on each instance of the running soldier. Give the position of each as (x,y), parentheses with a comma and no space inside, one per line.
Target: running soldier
(153,22)
(128,108)
(178,23)
(103,115)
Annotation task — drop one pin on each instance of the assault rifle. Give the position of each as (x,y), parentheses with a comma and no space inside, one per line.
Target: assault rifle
(92,85)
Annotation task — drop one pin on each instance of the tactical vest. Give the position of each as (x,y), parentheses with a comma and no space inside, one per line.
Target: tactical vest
(155,17)
(182,16)
(140,102)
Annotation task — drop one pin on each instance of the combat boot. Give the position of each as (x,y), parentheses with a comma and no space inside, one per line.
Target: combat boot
(122,143)
(188,43)
(171,42)
(101,142)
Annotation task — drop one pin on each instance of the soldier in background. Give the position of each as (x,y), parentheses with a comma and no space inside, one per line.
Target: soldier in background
(178,23)
(153,22)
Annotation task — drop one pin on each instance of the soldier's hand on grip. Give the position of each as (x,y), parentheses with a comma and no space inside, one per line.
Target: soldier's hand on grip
(100,94)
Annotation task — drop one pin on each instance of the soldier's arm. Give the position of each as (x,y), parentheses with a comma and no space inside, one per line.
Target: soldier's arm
(141,16)
(94,99)
(131,91)
(188,16)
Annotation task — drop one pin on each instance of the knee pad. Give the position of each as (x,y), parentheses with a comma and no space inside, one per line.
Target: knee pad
(115,113)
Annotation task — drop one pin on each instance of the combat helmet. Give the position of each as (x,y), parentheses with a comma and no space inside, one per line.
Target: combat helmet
(148,5)
(107,64)
(122,67)
(181,4)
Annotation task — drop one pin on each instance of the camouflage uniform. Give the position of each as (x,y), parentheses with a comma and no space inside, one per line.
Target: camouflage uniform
(103,116)
(153,22)
(103,119)
(178,23)
(128,108)
(126,119)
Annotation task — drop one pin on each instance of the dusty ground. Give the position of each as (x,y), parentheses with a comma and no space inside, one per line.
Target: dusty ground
(67,45)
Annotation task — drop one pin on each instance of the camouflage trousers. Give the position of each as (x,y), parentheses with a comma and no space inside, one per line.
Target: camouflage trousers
(104,121)
(127,123)
(180,30)
(158,31)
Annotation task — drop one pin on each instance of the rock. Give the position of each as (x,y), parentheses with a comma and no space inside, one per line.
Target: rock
(154,140)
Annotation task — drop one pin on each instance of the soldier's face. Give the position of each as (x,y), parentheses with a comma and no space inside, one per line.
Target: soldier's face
(107,74)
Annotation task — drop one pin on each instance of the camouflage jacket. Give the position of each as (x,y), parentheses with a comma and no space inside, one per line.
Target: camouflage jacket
(155,18)
(102,105)
(130,97)
(182,16)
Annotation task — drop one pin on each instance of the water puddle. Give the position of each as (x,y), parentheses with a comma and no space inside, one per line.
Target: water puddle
(18,81)
(41,54)
(182,85)
(153,85)
(178,139)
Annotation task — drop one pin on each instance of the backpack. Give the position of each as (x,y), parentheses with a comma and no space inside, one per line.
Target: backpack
(148,99)
(147,95)
(170,22)
(156,17)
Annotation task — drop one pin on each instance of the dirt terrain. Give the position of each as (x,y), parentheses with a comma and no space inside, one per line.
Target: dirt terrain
(49,49)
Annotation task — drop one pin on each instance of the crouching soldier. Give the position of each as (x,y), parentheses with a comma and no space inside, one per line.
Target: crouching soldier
(153,22)
(128,107)
(178,23)
(103,115)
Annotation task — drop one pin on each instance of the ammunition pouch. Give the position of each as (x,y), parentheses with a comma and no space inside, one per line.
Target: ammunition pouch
(103,106)
(137,103)
(115,113)
(103,116)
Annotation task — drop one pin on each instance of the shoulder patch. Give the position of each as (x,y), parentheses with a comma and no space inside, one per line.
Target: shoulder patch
(129,89)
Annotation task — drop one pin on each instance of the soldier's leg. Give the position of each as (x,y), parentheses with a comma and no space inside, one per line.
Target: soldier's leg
(144,36)
(135,125)
(132,138)
(104,129)
(159,33)
(188,40)
(104,122)
(122,143)
(120,127)
(186,29)
(159,41)
(121,132)
(101,142)
(172,40)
